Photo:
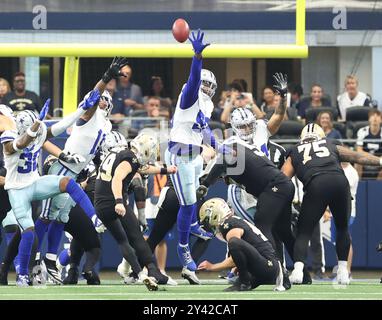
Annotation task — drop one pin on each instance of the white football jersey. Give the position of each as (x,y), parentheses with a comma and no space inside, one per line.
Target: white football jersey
(22,169)
(85,139)
(188,123)
(261,136)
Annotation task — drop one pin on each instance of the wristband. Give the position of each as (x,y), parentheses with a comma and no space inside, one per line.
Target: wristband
(119,201)
(31,133)
(163,171)
(380,161)
(14,144)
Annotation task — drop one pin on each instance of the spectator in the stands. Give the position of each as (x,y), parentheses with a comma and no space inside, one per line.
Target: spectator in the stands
(157,90)
(325,120)
(4,88)
(128,96)
(296,92)
(365,143)
(236,98)
(21,99)
(316,100)
(152,107)
(267,99)
(352,97)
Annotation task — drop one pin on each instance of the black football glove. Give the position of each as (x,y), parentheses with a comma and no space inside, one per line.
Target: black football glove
(281,85)
(201,192)
(114,71)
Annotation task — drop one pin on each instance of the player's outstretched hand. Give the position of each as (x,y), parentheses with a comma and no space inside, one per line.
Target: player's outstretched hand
(281,85)
(120,209)
(197,42)
(91,100)
(114,71)
(44,110)
(205,265)
(71,157)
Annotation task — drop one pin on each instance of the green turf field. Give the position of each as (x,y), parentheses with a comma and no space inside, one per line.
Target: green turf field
(211,290)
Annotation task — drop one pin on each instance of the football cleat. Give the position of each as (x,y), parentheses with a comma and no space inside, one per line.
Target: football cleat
(343,276)
(124,269)
(72,277)
(199,232)
(296,277)
(39,275)
(185,257)
(149,282)
(131,278)
(92,278)
(22,280)
(190,276)
(307,279)
(51,270)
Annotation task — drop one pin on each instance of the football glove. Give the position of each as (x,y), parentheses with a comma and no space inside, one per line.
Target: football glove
(281,85)
(71,157)
(201,192)
(379,247)
(114,71)
(44,110)
(91,100)
(197,42)
(98,225)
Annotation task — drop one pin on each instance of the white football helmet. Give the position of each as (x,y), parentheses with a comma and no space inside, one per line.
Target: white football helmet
(145,147)
(113,139)
(312,132)
(243,123)
(109,100)
(24,120)
(213,212)
(208,83)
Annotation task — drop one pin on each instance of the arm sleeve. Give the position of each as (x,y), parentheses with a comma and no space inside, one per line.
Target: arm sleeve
(191,90)
(62,125)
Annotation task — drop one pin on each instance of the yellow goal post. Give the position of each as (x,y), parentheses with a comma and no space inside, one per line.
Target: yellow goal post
(73,51)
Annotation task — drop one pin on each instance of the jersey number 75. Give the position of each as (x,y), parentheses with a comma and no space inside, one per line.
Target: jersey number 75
(319,150)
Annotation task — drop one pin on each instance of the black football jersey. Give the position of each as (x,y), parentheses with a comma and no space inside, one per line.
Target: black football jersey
(253,169)
(251,234)
(103,193)
(313,158)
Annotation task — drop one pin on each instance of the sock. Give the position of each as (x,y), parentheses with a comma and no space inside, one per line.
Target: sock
(54,237)
(299,266)
(184,222)
(194,221)
(80,197)
(25,248)
(40,228)
(64,258)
